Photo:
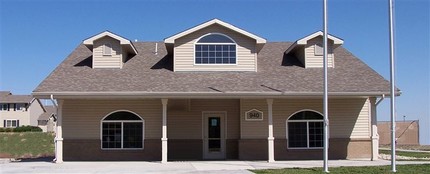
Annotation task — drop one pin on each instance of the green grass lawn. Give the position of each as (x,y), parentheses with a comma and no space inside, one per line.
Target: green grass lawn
(409,147)
(26,144)
(407,154)
(422,168)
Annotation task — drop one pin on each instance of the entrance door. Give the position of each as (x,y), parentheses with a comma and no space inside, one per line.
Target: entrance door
(213,135)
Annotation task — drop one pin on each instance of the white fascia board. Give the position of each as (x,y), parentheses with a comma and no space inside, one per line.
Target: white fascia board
(291,48)
(171,39)
(122,40)
(304,41)
(230,94)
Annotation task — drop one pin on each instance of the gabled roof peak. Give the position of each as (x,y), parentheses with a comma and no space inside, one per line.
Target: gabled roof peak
(171,39)
(122,40)
(303,41)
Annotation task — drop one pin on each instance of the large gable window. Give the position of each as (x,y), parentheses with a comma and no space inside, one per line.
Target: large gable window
(122,130)
(305,130)
(215,48)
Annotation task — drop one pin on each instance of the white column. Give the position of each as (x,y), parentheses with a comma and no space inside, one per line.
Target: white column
(59,133)
(164,131)
(374,129)
(270,138)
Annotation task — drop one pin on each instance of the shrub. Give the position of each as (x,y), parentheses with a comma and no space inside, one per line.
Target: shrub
(28,129)
(22,129)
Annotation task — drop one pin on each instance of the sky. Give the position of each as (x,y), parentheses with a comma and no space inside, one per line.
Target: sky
(37,35)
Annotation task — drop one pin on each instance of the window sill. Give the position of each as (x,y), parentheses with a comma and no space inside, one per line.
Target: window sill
(123,149)
(305,148)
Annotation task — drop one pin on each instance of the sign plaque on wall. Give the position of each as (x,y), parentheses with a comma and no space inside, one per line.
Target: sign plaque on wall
(253,115)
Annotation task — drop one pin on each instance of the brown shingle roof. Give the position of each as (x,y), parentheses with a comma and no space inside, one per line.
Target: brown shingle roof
(8,97)
(149,73)
(46,115)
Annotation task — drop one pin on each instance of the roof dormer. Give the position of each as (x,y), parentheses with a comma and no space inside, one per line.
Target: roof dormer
(309,50)
(109,50)
(214,46)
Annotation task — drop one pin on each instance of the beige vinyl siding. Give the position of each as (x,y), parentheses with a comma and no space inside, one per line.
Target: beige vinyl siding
(184,120)
(22,116)
(184,51)
(82,118)
(35,110)
(349,118)
(107,61)
(316,61)
(253,129)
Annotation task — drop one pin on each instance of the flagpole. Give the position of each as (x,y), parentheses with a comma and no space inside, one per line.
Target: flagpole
(325,98)
(392,90)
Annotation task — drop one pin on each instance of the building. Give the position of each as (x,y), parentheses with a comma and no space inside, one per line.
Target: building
(46,120)
(214,91)
(407,132)
(19,110)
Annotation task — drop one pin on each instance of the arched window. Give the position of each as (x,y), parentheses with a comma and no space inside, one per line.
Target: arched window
(122,130)
(215,48)
(305,130)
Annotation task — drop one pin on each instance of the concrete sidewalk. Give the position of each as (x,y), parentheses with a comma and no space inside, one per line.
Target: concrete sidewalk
(176,167)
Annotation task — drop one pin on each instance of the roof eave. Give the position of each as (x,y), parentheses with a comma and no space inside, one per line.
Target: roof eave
(304,40)
(171,39)
(227,94)
(123,41)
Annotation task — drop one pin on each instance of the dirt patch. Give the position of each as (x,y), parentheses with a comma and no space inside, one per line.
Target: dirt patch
(5,155)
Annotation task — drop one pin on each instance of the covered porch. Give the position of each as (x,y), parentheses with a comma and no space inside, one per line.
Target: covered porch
(217,129)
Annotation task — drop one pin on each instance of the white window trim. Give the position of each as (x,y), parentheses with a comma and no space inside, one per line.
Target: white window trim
(307,129)
(122,132)
(11,123)
(214,64)
(104,47)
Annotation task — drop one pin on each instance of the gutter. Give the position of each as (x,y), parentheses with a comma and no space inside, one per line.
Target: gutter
(380,100)
(225,94)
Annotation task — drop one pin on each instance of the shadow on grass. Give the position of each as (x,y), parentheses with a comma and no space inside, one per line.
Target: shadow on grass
(38,159)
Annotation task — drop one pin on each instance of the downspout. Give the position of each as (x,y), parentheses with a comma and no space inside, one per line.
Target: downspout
(380,100)
(55,118)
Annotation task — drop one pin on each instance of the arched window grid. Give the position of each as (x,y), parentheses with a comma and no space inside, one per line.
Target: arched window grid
(215,53)
(307,122)
(122,123)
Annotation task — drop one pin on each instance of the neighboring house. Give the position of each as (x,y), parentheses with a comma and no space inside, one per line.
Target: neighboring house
(46,120)
(18,110)
(214,91)
(407,132)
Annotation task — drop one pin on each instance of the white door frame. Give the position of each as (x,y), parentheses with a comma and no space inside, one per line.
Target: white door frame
(223,129)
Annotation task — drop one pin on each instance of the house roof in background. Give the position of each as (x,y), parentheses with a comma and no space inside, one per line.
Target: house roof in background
(50,110)
(149,74)
(8,97)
